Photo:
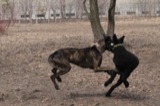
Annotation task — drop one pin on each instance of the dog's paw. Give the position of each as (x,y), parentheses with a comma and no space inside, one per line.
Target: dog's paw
(107,83)
(59,79)
(126,84)
(57,88)
(108,95)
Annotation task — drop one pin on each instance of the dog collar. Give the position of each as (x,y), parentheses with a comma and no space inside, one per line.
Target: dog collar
(115,46)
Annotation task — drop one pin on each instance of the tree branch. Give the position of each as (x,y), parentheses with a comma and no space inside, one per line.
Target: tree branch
(85,9)
(111,21)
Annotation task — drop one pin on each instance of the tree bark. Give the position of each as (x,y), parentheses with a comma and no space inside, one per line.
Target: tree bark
(12,13)
(93,16)
(30,11)
(54,14)
(49,10)
(62,8)
(111,20)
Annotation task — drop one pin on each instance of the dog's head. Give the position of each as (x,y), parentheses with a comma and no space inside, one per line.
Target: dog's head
(115,42)
(108,43)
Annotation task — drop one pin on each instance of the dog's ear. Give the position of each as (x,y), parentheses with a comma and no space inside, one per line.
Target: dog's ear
(115,40)
(107,38)
(104,36)
(121,39)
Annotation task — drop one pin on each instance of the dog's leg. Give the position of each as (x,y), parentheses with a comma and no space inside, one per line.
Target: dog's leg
(53,77)
(125,75)
(108,94)
(56,75)
(102,69)
(63,71)
(112,72)
(122,79)
(126,83)
(54,70)
(110,80)
(64,68)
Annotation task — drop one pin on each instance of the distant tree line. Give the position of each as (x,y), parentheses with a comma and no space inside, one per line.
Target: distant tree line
(140,8)
(52,10)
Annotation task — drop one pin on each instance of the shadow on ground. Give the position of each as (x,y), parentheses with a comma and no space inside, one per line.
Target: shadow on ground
(115,95)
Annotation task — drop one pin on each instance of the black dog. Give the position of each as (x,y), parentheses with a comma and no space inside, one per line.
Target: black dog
(125,62)
(90,57)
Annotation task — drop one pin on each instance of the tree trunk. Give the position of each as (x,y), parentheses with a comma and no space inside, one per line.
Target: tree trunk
(30,11)
(54,11)
(54,14)
(93,16)
(49,11)
(111,22)
(12,12)
(95,21)
(62,8)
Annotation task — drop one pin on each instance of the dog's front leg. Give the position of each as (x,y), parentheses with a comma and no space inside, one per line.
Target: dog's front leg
(110,80)
(101,69)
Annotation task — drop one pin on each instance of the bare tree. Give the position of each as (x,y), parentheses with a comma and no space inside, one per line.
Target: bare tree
(158,8)
(79,8)
(6,8)
(48,4)
(93,16)
(26,9)
(23,8)
(12,7)
(17,10)
(62,8)
(94,20)
(30,10)
(0,7)
(54,6)
(111,20)
(9,5)
(70,7)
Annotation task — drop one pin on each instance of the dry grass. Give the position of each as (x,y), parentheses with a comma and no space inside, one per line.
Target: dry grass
(25,72)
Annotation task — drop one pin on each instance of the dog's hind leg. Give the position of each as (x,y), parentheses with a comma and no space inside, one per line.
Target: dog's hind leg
(63,69)
(54,71)
(53,77)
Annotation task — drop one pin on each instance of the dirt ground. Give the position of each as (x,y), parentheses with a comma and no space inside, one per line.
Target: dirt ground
(25,72)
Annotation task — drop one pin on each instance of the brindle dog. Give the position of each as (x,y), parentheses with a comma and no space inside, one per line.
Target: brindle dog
(90,57)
